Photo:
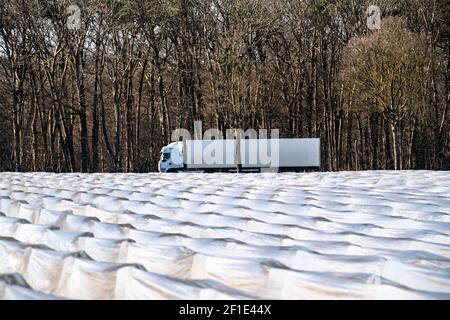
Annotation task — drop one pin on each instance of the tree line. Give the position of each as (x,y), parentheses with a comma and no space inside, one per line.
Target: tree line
(105,94)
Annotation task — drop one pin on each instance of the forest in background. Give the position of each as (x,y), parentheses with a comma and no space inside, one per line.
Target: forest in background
(105,97)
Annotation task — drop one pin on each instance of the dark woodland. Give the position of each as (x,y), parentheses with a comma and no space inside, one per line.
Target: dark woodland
(106,97)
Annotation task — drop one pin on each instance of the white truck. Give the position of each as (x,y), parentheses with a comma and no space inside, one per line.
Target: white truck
(247,155)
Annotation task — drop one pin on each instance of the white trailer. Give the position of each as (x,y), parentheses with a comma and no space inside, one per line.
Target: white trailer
(246,155)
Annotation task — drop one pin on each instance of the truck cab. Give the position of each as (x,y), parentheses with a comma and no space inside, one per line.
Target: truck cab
(171,158)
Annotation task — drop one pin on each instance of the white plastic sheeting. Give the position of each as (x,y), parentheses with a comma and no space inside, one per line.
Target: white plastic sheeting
(14,287)
(364,235)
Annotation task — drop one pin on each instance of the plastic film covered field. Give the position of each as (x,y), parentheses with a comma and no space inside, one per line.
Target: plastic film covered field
(365,235)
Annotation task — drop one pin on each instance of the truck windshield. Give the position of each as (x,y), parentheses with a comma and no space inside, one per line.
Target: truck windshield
(165,156)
